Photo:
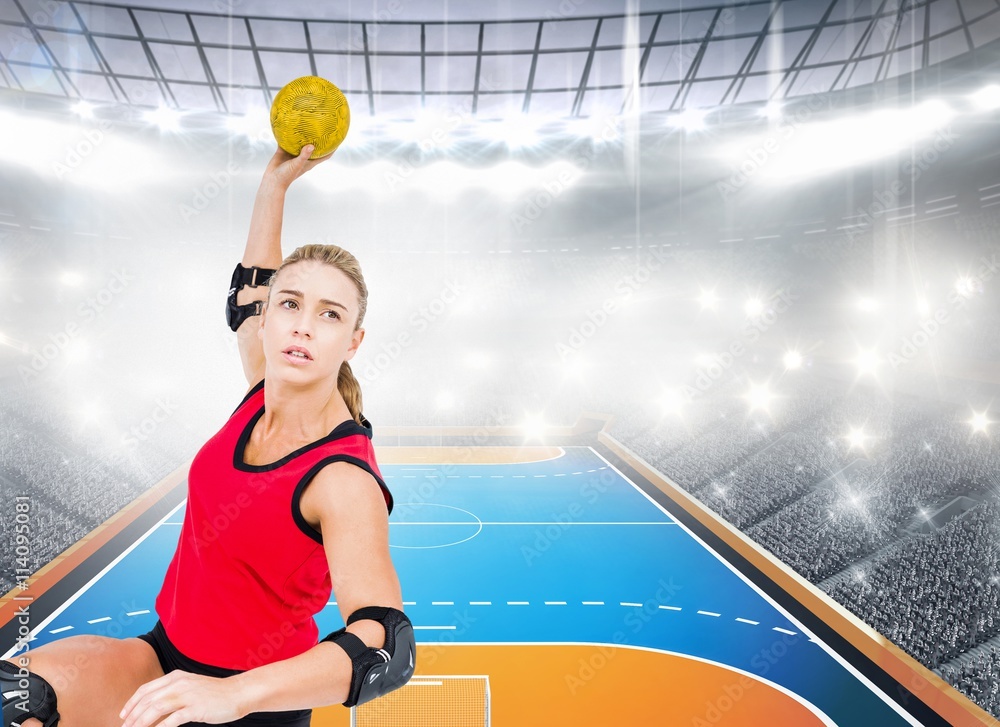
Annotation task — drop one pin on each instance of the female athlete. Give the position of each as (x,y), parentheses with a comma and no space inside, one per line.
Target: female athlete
(284,503)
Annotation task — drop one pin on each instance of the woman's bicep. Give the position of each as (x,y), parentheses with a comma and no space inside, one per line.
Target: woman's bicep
(355,529)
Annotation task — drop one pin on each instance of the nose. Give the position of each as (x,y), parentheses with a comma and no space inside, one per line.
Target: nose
(303,325)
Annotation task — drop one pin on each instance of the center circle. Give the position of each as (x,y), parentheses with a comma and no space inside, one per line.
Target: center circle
(421,525)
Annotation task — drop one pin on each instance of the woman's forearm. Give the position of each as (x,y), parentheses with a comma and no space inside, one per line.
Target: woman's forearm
(318,677)
(264,239)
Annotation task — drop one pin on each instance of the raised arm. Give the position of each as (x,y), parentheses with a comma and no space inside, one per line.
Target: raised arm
(263,249)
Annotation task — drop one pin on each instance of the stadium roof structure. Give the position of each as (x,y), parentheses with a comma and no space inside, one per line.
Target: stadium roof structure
(567,64)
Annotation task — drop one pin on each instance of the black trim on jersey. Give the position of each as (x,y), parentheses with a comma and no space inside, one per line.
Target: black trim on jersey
(256,387)
(304,526)
(345,429)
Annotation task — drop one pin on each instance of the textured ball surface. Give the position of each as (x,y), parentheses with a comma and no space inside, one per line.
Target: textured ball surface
(310,110)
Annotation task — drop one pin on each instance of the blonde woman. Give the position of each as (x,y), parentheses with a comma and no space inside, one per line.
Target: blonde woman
(285,503)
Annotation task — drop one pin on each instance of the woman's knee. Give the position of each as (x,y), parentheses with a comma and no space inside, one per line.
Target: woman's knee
(90,674)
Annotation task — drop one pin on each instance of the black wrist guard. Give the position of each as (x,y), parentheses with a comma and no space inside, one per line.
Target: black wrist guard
(252,276)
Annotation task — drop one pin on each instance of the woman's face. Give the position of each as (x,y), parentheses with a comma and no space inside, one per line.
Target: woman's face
(312,306)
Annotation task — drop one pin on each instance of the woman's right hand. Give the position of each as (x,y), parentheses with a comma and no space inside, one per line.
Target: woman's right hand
(283,169)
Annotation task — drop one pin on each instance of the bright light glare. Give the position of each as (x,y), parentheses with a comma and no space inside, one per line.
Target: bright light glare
(83,109)
(753,307)
(987,98)
(771,111)
(598,127)
(868,305)
(445,400)
(793,360)
(979,422)
(254,124)
(759,397)
(431,129)
(576,367)
(71,278)
(867,362)
(672,402)
(689,119)
(166,118)
(965,286)
(533,426)
(708,299)
(923,307)
(516,131)
(856,438)
(824,146)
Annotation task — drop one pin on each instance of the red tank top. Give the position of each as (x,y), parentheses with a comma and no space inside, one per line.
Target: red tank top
(249,572)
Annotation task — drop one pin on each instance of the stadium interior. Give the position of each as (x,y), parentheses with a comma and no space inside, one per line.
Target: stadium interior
(763,236)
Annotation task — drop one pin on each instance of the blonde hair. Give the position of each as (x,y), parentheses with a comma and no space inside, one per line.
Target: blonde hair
(346,263)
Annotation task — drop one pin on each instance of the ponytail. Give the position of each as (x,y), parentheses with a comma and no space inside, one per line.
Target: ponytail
(350,389)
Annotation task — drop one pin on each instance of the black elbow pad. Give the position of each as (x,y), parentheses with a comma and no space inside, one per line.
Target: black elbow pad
(252,276)
(378,671)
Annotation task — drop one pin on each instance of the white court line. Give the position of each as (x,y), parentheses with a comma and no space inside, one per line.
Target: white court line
(626,603)
(433,628)
(827,722)
(593,603)
(518,603)
(442,603)
(671,608)
(480,603)
(784,631)
(555,603)
(544,522)
(709,613)
(780,609)
(92,581)
(748,621)
(99,620)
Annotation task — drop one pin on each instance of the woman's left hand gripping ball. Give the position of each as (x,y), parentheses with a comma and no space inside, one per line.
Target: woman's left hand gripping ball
(180,697)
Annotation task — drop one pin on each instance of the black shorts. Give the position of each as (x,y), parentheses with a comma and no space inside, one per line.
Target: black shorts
(170,659)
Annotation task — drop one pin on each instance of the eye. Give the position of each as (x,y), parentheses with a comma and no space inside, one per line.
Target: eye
(335,314)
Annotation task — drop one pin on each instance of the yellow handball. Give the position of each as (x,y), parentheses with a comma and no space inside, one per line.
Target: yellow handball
(310,110)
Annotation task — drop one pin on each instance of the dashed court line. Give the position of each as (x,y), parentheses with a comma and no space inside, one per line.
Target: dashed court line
(626,604)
